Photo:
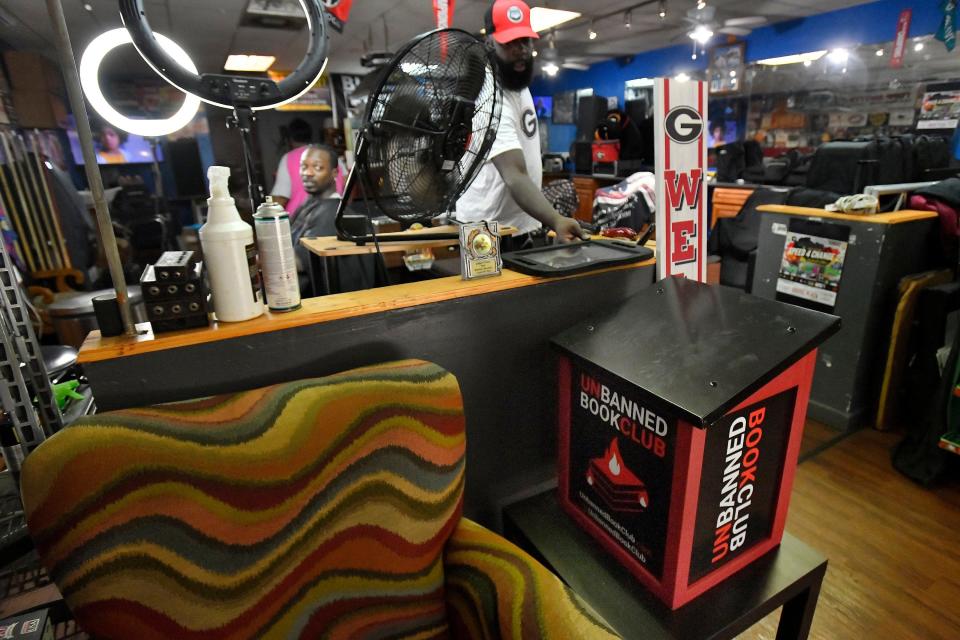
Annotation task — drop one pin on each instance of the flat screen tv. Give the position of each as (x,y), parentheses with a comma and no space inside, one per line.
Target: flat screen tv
(112,145)
(544,106)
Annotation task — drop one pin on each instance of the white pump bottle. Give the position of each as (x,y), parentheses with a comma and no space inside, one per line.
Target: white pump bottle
(230,254)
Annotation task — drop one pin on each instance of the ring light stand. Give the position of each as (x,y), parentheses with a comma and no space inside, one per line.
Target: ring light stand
(242,94)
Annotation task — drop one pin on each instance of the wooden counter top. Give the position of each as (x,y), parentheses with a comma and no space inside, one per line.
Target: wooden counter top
(899,217)
(332,247)
(317,310)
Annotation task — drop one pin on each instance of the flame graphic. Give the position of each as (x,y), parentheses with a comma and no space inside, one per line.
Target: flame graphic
(614,465)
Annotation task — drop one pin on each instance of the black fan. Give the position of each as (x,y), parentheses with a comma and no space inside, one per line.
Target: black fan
(428,129)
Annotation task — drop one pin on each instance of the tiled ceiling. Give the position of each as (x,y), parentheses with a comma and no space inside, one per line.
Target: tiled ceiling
(210,29)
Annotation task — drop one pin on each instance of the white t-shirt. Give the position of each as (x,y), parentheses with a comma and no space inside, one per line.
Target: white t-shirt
(282,186)
(488,197)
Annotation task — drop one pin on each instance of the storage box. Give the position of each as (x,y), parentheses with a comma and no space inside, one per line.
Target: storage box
(32,72)
(606,151)
(38,109)
(680,416)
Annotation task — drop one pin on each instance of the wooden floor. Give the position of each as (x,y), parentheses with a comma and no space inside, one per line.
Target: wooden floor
(893,546)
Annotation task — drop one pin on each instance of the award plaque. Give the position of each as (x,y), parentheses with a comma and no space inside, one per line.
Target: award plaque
(480,250)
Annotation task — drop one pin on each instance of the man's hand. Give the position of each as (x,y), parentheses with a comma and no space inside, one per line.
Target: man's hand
(568,230)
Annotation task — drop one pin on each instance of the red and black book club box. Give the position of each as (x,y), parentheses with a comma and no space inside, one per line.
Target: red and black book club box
(680,416)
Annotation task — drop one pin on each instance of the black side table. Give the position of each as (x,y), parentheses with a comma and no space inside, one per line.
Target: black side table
(790,576)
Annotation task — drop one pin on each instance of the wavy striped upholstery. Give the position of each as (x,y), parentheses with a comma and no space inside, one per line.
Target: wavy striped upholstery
(314,509)
(495,590)
(316,506)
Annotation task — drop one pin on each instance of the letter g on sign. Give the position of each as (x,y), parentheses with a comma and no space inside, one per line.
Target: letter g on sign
(684,125)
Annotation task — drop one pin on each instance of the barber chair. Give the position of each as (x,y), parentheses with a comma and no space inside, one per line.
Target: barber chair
(319,508)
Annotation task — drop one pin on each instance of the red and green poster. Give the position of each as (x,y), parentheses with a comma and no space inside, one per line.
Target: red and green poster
(812,264)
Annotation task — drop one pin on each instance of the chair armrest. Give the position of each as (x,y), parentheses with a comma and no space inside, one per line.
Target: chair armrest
(496,590)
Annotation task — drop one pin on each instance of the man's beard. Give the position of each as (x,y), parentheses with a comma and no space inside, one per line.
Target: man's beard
(516,80)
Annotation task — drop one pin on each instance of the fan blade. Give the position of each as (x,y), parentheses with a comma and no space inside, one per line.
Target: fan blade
(747,21)
(473,73)
(734,31)
(702,15)
(406,109)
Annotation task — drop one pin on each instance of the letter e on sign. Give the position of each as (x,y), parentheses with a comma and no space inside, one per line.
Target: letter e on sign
(684,242)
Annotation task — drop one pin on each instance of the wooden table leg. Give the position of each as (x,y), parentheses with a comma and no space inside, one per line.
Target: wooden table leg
(797,614)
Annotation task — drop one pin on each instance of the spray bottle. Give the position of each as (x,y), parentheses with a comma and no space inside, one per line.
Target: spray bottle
(230,254)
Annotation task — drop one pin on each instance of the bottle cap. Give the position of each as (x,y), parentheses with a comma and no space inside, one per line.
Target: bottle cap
(219,177)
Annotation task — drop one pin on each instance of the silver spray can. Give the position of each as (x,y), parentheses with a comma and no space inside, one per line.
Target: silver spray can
(277,260)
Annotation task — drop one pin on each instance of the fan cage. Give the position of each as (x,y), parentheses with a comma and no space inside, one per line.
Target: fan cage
(412,119)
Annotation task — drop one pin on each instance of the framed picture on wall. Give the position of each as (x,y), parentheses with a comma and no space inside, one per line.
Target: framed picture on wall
(726,68)
(565,107)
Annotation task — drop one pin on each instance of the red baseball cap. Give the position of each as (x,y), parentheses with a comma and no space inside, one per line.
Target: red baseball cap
(509,20)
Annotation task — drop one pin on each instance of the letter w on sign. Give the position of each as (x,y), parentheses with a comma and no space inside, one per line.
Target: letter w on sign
(681,163)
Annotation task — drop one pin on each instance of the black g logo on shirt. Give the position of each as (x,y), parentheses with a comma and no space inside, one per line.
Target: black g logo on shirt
(529,123)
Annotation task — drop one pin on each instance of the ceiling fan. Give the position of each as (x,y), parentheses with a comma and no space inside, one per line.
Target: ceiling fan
(705,20)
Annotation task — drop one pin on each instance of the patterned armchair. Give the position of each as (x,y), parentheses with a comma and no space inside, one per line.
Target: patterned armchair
(320,508)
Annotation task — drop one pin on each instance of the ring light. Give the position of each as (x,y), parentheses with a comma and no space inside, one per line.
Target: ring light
(89,78)
(231,92)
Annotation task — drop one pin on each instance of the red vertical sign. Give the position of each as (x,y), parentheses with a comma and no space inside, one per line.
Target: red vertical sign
(443,13)
(680,130)
(900,42)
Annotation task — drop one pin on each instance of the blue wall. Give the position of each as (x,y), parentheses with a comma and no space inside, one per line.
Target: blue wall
(865,24)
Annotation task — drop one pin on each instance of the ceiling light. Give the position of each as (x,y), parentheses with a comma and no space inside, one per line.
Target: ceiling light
(682,77)
(592,33)
(535,53)
(807,63)
(839,56)
(844,70)
(918,46)
(796,58)
(542,18)
(551,69)
(241,62)
(90,62)
(663,9)
(701,34)
(879,53)
(628,19)
(87,6)
(733,73)
(701,4)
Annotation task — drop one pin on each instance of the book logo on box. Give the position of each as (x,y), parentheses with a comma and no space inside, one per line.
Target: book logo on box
(621,464)
(617,486)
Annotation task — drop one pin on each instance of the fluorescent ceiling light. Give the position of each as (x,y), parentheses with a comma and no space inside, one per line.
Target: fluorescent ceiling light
(839,56)
(542,19)
(89,79)
(701,34)
(240,62)
(796,58)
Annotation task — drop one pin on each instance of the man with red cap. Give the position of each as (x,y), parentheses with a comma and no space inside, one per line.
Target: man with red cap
(507,188)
